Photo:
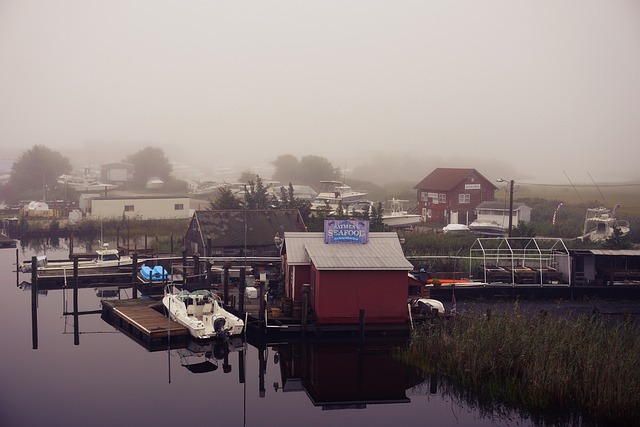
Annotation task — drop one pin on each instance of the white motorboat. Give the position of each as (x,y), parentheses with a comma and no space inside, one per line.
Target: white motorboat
(202,313)
(487,228)
(456,229)
(427,305)
(334,193)
(105,259)
(601,223)
(398,215)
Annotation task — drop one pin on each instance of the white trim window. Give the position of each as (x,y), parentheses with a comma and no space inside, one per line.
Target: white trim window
(464,198)
(442,198)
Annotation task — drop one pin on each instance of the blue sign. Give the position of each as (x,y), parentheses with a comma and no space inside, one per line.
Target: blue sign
(346,231)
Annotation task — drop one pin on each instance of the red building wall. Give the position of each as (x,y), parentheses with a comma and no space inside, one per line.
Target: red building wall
(338,296)
(441,212)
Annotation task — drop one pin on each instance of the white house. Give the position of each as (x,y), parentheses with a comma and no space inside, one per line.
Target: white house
(144,207)
(498,212)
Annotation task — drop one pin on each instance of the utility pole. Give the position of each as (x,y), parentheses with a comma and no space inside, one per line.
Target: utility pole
(511,182)
(510,207)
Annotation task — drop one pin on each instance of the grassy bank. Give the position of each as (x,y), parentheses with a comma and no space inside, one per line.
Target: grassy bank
(537,363)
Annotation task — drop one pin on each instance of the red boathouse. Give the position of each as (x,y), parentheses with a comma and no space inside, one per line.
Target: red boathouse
(346,275)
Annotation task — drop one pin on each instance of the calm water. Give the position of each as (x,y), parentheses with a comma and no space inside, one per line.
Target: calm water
(110,379)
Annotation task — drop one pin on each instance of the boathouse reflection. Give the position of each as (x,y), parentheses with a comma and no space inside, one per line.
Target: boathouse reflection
(344,375)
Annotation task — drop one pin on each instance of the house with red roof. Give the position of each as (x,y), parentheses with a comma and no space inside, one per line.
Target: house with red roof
(451,195)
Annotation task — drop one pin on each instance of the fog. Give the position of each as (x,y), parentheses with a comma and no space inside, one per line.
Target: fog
(536,91)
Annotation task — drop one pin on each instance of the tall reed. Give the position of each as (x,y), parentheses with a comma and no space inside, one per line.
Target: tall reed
(537,361)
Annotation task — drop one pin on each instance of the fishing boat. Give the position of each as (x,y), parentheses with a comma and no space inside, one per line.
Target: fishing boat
(104,259)
(601,224)
(398,216)
(334,193)
(202,313)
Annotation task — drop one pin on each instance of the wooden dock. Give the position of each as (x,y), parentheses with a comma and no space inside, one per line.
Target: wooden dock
(142,318)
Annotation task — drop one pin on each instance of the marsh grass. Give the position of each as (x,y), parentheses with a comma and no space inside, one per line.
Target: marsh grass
(571,364)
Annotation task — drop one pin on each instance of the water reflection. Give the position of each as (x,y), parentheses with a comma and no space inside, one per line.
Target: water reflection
(338,376)
(257,382)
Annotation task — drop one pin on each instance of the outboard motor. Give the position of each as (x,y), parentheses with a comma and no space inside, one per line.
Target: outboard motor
(218,325)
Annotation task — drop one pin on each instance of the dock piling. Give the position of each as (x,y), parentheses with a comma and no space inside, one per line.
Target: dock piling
(34,301)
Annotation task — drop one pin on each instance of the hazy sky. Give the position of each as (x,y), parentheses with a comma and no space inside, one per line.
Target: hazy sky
(533,90)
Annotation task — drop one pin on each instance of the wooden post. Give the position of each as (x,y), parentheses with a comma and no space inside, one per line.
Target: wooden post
(17,265)
(261,371)
(184,264)
(261,314)
(134,274)
(34,300)
(225,281)
(241,364)
(196,267)
(76,279)
(241,288)
(209,273)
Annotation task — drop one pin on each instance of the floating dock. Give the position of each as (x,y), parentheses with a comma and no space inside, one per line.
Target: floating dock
(142,318)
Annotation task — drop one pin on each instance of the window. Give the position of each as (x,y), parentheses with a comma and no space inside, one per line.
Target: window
(464,198)
(442,198)
(128,208)
(424,196)
(178,207)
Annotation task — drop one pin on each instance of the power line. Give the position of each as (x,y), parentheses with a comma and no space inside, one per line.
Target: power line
(631,184)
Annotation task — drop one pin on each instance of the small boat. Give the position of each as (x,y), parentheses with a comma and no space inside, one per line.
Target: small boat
(427,305)
(456,229)
(202,313)
(105,259)
(153,275)
(601,223)
(398,215)
(487,228)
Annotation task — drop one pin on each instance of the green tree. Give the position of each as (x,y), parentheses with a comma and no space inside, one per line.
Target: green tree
(247,176)
(225,200)
(375,218)
(256,195)
(523,230)
(35,173)
(309,170)
(289,201)
(287,168)
(149,162)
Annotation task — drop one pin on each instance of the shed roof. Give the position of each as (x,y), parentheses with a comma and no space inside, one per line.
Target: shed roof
(227,227)
(611,252)
(382,252)
(446,179)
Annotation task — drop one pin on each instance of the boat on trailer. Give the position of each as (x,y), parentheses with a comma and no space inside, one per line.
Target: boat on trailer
(601,223)
(201,312)
(398,216)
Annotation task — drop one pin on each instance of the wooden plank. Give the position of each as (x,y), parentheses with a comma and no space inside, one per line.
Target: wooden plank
(140,314)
